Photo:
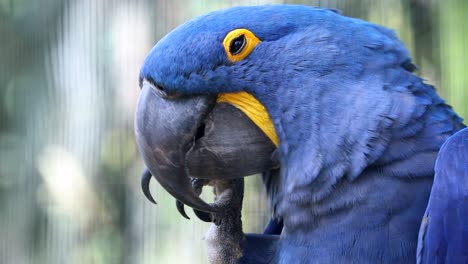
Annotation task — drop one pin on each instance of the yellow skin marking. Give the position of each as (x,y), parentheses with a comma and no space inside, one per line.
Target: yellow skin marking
(255,110)
(244,101)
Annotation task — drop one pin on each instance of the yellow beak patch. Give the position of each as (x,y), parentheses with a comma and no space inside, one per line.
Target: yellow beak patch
(255,110)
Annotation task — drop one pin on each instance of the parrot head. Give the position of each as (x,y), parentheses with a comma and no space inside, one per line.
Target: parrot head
(313,81)
(226,56)
(185,81)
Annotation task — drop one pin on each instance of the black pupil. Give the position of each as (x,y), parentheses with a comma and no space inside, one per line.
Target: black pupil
(237,44)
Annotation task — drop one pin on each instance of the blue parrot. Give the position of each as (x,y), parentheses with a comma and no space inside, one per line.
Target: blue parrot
(352,134)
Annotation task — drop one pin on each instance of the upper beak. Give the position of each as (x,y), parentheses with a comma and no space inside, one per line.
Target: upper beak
(165,130)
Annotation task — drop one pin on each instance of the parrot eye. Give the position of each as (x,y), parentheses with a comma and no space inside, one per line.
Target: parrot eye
(239,43)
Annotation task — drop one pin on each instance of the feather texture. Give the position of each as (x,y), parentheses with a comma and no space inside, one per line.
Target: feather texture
(359,132)
(443,236)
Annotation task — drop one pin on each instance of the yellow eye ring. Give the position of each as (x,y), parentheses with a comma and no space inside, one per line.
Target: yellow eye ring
(239,43)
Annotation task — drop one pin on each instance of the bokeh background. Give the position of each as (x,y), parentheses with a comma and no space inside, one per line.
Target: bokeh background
(69,167)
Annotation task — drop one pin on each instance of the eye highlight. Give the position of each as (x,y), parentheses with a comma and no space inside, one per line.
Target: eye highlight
(239,43)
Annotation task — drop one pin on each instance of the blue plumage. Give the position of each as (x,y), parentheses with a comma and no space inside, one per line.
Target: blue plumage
(359,132)
(443,236)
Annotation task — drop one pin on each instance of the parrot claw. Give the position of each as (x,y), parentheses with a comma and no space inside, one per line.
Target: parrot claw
(197,185)
(204,216)
(180,208)
(145,180)
(224,195)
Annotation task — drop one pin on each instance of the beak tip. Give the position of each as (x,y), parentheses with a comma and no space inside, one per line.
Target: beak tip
(145,180)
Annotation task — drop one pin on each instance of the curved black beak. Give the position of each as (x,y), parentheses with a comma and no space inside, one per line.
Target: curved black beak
(165,130)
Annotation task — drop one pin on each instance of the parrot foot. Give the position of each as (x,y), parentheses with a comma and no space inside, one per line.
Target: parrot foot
(225,235)
(228,196)
(197,185)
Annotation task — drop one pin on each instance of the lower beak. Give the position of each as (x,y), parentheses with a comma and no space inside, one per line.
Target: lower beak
(232,147)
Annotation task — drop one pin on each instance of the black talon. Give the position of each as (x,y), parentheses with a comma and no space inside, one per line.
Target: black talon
(180,208)
(204,216)
(197,185)
(145,180)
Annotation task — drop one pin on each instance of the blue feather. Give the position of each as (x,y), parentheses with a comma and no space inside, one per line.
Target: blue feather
(443,237)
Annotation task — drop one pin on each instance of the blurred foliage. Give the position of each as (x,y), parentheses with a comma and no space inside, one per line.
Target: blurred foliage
(69,168)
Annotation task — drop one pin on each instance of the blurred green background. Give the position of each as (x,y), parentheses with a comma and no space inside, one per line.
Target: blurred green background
(69,167)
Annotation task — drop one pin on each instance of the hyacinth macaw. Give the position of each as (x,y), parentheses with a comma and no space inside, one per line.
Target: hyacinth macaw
(327,107)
